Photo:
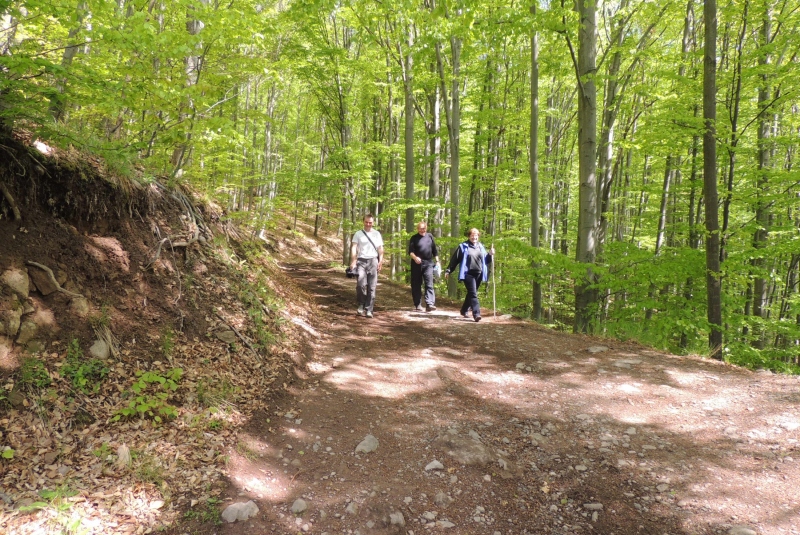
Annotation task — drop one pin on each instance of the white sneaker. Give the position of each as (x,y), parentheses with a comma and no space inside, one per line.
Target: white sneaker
(360,310)
(369,314)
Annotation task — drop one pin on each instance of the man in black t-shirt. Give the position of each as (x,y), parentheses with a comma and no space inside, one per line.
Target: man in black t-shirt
(424,256)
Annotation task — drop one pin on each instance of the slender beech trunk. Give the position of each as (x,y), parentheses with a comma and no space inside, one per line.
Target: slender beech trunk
(586,250)
(408,94)
(534,167)
(713,264)
(58,101)
(453,119)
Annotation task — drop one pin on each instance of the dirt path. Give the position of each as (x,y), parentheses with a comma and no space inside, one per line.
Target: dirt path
(536,432)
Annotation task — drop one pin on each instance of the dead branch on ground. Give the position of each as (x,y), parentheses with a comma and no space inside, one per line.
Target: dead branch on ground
(244,340)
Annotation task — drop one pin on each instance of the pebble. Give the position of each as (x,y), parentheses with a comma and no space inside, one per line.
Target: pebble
(397,519)
(593,506)
(351,508)
(742,530)
(368,445)
(434,465)
(299,506)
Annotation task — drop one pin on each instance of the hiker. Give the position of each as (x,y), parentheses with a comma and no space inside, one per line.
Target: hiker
(366,256)
(424,257)
(474,264)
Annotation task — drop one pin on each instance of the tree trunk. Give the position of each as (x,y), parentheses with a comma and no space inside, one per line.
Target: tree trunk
(408,90)
(58,102)
(762,203)
(534,168)
(585,293)
(713,274)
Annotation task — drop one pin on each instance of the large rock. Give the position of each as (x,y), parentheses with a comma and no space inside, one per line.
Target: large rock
(8,361)
(79,306)
(41,279)
(239,511)
(100,350)
(27,332)
(10,317)
(16,280)
(227,336)
(466,450)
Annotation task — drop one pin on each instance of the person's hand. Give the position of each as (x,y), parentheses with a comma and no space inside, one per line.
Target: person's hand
(417,259)
(492,251)
(353,266)
(446,274)
(380,264)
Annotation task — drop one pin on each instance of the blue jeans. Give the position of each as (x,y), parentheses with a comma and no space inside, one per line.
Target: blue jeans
(422,273)
(367,269)
(472,281)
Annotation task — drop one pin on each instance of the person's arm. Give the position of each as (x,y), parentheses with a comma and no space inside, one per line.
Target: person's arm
(380,257)
(353,253)
(434,250)
(454,260)
(412,250)
(490,256)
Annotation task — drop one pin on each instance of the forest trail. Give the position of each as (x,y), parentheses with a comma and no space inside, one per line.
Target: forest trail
(536,432)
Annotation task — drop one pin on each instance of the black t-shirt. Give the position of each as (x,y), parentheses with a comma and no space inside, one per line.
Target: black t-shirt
(423,246)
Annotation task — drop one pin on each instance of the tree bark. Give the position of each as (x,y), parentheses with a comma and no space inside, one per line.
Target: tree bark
(534,167)
(713,264)
(585,293)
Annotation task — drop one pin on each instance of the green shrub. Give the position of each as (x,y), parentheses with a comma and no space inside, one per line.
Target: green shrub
(150,393)
(85,376)
(33,374)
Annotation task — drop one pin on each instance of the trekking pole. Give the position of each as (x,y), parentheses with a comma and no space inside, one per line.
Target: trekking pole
(494,286)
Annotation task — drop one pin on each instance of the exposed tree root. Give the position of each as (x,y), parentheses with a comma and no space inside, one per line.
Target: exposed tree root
(11,202)
(197,226)
(53,279)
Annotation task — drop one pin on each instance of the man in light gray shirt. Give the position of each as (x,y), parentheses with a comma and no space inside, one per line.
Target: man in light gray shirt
(366,257)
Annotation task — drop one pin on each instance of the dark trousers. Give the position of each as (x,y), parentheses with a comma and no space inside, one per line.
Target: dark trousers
(422,273)
(472,281)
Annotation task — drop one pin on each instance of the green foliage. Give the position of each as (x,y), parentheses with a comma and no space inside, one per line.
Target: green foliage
(103,319)
(149,394)
(33,374)
(215,394)
(103,452)
(56,499)
(85,376)
(7,453)
(167,341)
(208,512)
(147,468)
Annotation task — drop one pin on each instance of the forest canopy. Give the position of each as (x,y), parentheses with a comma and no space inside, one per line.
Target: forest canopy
(574,135)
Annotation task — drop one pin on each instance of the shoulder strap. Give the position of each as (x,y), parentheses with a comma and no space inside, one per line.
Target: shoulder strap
(370,242)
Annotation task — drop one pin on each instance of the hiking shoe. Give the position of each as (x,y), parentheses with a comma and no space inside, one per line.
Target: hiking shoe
(430,308)
(360,310)
(369,314)
(418,308)
(465,315)
(477,319)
